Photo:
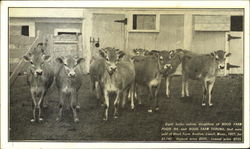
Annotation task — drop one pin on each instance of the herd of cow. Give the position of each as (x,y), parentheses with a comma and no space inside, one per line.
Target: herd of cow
(121,74)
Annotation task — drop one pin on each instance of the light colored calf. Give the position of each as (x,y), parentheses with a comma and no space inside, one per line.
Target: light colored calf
(149,72)
(40,79)
(68,81)
(118,78)
(203,67)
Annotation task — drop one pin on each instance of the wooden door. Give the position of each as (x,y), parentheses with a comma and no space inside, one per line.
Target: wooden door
(235,46)
(109,33)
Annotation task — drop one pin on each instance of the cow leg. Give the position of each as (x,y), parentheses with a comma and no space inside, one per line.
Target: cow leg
(132,90)
(33,95)
(151,95)
(73,105)
(210,88)
(61,104)
(124,95)
(106,105)
(136,94)
(204,87)
(40,105)
(116,103)
(187,88)
(167,86)
(77,102)
(183,85)
(156,98)
(45,103)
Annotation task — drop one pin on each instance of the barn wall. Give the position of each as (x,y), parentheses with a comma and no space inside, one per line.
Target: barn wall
(205,41)
(48,28)
(170,37)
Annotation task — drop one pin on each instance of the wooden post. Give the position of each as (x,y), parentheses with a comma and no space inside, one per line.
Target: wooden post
(21,62)
(188,31)
(86,34)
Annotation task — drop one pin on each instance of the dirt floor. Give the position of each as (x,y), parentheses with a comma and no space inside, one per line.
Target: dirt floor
(138,125)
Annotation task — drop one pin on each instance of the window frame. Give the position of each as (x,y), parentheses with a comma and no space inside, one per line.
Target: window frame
(157,23)
(69,30)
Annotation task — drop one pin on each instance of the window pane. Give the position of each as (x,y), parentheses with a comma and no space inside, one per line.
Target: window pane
(25,30)
(236,23)
(144,22)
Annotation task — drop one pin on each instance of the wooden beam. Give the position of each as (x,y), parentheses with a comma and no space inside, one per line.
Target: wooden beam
(21,62)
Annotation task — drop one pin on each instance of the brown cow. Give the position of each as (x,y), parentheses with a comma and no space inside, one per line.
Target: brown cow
(118,78)
(203,67)
(40,78)
(96,71)
(149,72)
(68,81)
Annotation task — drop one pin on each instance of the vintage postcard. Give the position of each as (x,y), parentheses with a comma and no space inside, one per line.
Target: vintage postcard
(108,74)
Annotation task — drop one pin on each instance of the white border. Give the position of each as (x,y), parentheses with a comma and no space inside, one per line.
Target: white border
(160,4)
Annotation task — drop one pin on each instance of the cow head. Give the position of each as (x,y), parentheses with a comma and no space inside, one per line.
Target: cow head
(70,64)
(112,57)
(165,59)
(220,57)
(37,60)
(140,52)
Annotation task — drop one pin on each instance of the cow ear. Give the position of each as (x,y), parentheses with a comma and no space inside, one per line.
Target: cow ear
(120,54)
(60,60)
(213,53)
(228,54)
(46,58)
(102,53)
(79,60)
(134,50)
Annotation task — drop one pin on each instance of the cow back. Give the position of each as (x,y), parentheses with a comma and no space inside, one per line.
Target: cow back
(199,66)
(146,69)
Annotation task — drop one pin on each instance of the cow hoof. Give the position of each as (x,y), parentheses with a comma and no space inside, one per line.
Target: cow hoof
(105,119)
(32,120)
(40,119)
(203,104)
(157,109)
(58,119)
(132,107)
(150,110)
(76,120)
(210,104)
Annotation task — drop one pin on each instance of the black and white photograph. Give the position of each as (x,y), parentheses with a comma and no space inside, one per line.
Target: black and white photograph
(126,74)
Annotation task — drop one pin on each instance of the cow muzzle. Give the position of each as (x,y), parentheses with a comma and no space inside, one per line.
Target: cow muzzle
(112,69)
(167,66)
(39,72)
(72,74)
(221,66)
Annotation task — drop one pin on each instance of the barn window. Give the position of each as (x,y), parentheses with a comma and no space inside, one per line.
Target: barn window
(145,23)
(68,33)
(236,23)
(25,30)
